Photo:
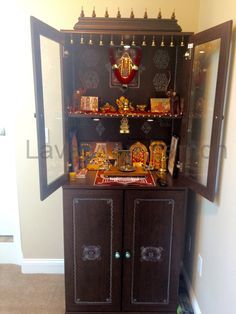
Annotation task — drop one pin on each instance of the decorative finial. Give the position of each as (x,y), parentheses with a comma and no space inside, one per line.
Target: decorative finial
(106,13)
(94,13)
(173,15)
(118,14)
(159,14)
(82,12)
(145,14)
(132,14)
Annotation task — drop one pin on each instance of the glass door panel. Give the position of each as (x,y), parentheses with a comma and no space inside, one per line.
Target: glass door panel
(47,44)
(201,109)
(53,113)
(205,110)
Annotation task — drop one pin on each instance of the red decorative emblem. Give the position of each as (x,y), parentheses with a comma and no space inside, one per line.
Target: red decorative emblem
(125,68)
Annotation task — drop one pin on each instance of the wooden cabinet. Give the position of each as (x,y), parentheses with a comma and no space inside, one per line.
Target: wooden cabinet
(123,249)
(123,245)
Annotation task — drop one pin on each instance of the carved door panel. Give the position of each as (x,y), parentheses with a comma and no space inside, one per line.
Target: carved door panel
(154,221)
(93,228)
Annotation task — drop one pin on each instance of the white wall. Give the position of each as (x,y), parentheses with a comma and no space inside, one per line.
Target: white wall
(10,252)
(212,225)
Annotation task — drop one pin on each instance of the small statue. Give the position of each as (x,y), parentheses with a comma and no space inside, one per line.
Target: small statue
(124,126)
(174,102)
(107,108)
(124,105)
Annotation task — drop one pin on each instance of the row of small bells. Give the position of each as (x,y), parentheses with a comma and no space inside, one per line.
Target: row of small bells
(144,42)
(133,44)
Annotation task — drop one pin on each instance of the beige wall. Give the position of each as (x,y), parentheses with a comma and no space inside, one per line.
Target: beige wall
(212,225)
(41,222)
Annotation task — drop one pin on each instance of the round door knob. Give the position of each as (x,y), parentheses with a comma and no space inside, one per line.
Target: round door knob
(127,255)
(117,255)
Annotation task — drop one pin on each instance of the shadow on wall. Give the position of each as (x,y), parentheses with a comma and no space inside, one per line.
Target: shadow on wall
(225,130)
(191,227)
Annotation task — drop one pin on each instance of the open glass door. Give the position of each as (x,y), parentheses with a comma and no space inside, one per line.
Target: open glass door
(47,44)
(209,54)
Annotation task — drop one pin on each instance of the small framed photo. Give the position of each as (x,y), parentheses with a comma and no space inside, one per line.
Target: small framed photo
(89,103)
(160,105)
(172,155)
(124,160)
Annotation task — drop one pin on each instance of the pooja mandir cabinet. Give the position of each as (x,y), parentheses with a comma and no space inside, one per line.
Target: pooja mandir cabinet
(123,244)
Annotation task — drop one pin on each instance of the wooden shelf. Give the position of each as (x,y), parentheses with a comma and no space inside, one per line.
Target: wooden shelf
(147,115)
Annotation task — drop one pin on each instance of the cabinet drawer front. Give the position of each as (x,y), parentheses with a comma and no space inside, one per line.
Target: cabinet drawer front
(151,237)
(94,229)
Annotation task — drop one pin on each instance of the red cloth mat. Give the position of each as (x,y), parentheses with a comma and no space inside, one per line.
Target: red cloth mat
(100,179)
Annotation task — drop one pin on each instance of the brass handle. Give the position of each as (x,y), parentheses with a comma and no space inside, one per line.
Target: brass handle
(117,255)
(127,255)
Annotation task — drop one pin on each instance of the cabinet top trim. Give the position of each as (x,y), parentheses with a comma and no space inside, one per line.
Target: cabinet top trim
(125,24)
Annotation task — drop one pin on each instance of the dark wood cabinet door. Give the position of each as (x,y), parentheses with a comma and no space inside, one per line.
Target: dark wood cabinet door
(154,225)
(93,239)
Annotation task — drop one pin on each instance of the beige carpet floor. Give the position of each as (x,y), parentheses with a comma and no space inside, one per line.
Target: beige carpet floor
(30,294)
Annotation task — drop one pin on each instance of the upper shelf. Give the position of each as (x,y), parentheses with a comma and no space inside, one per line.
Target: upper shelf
(81,114)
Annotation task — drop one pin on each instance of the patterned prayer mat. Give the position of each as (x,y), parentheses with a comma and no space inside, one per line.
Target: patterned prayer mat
(100,179)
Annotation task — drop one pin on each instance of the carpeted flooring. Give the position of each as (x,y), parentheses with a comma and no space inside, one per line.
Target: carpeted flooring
(30,294)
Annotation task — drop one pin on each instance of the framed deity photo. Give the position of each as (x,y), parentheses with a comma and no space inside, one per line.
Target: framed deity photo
(172,154)
(89,103)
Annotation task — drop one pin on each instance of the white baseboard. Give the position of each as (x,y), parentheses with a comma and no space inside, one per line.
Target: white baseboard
(42,266)
(191,293)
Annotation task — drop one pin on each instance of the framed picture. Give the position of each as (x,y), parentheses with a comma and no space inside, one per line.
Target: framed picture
(124,160)
(89,103)
(172,155)
(123,59)
(160,105)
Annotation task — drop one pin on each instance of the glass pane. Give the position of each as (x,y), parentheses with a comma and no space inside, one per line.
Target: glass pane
(53,113)
(201,109)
